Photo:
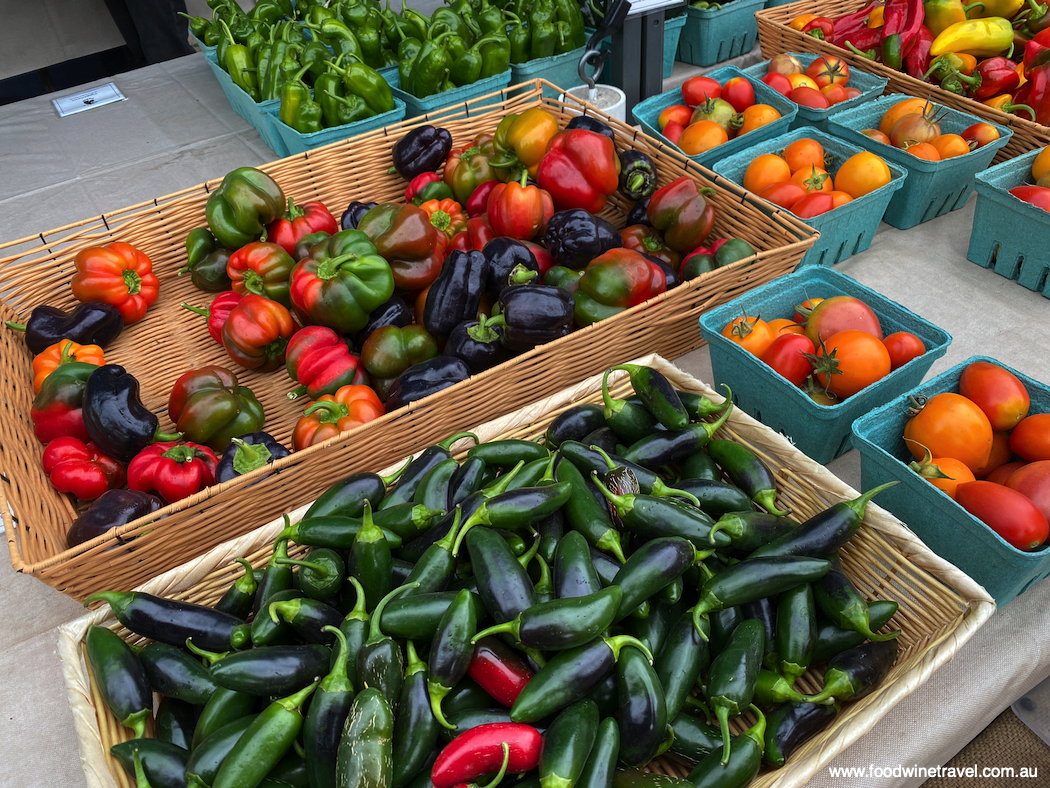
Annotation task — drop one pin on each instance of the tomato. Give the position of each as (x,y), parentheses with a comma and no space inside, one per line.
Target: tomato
(814,179)
(801,81)
(751,333)
(924,151)
(862,173)
(1030,439)
(944,473)
(949,425)
(1007,512)
(818,394)
(828,70)
(785,64)
(840,313)
(701,136)
(903,347)
(696,90)
(1041,165)
(1033,482)
(764,171)
(813,204)
(785,357)
(809,97)
(999,455)
(1001,474)
(950,145)
(679,113)
(783,194)
(739,92)
(783,325)
(898,111)
(673,131)
(719,111)
(852,93)
(980,134)
(853,360)
(875,134)
(913,128)
(835,94)
(779,82)
(756,116)
(1039,196)
(840,198)
(807,307)
(997,391)
(804,153)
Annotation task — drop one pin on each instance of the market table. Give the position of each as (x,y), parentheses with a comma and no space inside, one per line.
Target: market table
(177,130)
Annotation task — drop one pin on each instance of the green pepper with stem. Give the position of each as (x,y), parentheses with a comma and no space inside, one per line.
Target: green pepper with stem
(370,559)
(355,629)
(239,65)
(653,566)
(416,729)
(857,672)
(380,663)
(434,569)
(329,708)
(415,20)
(310,618)
(370,37)
(520,39)
(451,651)
(747,471)
(276,575)
(429,68)
(466,69)
(772,688)
(120,678)
(716,772)
(840,601)
(642,713)
(364,81)
(407,51)
(206,262)
(314,56)
(298,109)
(321,573)
(732,677)
(224,706)
(631,421)
(562,623)
(567,743)
(443,15)
(663,448)
(365,758)
(658,395)
(585,515)
(516,509)
(341,38)
(832,639)
(796,630)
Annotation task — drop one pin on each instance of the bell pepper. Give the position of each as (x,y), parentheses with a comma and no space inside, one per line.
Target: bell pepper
(390,350)
(422,150)
(110,510)
(206,261)
(917,61)
(57,409)
(263,269)
(426,378)
(116,419)
(532,315)
(430,66)
(427,186)
(801,21)
(820,28)
(341,282)
(320,361)
(519,211)
(649,241)
(521,142)
(349,407)
(681,211)
(567,279)
(637,179)
(446,215)
(172,470)
(208,406)
(949,64)
(245,202)
(467,68)
(405,238)
(467,168)
(477,235)
(456,294)
(256,333)
(576,237)
(246,453)
(217,313)
(1038,20)
(62,352)
(618,280)
(1037,51)
(354,213)
(117,274)
(297,222)
(479,199)
(978,37)
(901,22)
(93,323)
(80,469)
(580,170)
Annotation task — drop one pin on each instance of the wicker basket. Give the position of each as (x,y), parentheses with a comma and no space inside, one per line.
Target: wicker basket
(169,341)
(775,37)
(884,560)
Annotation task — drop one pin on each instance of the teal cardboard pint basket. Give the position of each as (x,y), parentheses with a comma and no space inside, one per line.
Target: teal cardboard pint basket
(449,100)
(844,231)
(820,431)
(933,188)
(256,113)
(295,142)
(713,35)
(946,528)
(561,70)
(1010,236)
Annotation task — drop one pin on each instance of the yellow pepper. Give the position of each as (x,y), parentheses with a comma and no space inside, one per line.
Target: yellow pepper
(875,20)
(1007,9)
(800,22)
(979,37)
(522,139)
(939,15)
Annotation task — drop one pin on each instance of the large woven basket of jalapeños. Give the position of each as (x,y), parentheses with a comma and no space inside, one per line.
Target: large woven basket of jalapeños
(398,321)
(626,584)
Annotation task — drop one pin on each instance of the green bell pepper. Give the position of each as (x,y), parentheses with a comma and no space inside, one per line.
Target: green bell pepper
(450,20)
(390,350)
(544,40)
(246,201)
(298,109)
(209,407)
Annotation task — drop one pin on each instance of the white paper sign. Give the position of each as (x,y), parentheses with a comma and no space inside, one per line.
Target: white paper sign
(88,99)
(649,6)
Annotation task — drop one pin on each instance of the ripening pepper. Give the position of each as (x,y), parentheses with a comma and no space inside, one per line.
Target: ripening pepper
(467,168)
(479,199)
(217,313)
(1035,93)
(117,274)
(256,333)
(680,209)
(341,282)
(939,15)
(173,470)
(902,21)
(311,217)
(519,211)
(79,468)
(208,406)
(65,351)
(261,268)
(242,206)
(57,408)
(1037,50)
(917,61)
(349,407)
(978,37)
(405,238)
(446,215)
(321,362)
(580,170)
(390,350)
(521,142)
(477,235)
(425,187)
(618,280)
(650,241)
(206,261)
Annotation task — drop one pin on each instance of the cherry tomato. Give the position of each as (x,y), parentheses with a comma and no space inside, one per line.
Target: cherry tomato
(784,194)
(1030,439)
(899,110)
(924,151)
(673,131)
(818,393)
(835,94)
(813,204)
(839,313)
(840,198)
(875,134)
(853,360)
(980,134)
(701,136)
(785,357)
(679,113)
(997,391)
(903,347)
(999,455)
(1007,512)
(806,96)
(828,70)
(950,145)
(751,333)
(935,469)
(757,116)
(803,154)
(862,173)
(783,325)
(801,81)
(765,170)
(851,92)
(949,425)
(1001,474)
(779,82)
(696,90)
(814,179)
(807,307)
(1033,482)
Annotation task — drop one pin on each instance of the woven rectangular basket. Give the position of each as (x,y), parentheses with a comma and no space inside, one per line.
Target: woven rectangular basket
(37,269)
(884,560)
(775,37)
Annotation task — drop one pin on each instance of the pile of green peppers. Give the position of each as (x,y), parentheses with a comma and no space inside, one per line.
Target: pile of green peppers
(626,585)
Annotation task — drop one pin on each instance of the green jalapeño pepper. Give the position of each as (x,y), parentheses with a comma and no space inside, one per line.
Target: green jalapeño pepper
(832,639)
(840,601)
(663,448)
(858,672)
(416,729)
(733,675)
(658,395)
(121,680)
(740,769)
(329,707)
(380,664)
(244,203)
(365,757)
(562,623)
(642,713)
(370,560)
(796,630)
(517,509)
(747,472)
(451,651)
(206,262)
(208,406)
(567,743)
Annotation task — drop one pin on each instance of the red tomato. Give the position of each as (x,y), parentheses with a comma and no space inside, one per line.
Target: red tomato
(853,360)
(1030,439)
(697,90)
(809,97)
(997,457)
(1033,482)
(783,194)
(813,204)
(1001,474)
(1039,196)
(1007,512)
(828,70)
(979,134)
(739,92)
(997,391)
(852,93)
(780,83)
(835,94)
(673,131)
(786,358)
(839,313)
(903,347)
(679,113)
(949,425)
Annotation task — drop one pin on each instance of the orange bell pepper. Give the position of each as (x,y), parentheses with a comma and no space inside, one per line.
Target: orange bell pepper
(446,215)
(332,414)
(62,352)
(117,274)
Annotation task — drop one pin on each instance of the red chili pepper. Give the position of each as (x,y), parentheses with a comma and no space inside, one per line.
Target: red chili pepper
(479,199)
(848,24)
(312,217)
(220,309)
(321,362)
(1037,51)
(820,28)
(498,670)
(173,470)
(864,42)
(80,468)
(997,75)
(479,751)
(917,61)
(519,211)
(900,27)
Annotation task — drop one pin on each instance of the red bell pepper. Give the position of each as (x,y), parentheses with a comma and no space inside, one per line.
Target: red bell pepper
(349,407)
(1037,51)
(615,281)
(498,670)
(312,217)
(479,751)
(117,274)
(542,255)
(479,199)
(427,186)
(321,362)
(519,211)
(256,333)
(682,212)
(220,309)
(80,468)
(406,239)
(173,470)
(580,170)
(478,233)
(263,269)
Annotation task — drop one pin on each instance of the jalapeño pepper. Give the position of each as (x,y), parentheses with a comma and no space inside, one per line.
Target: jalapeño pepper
(562,623)
(567,743)
(631,421)
(416,729)
(584,514)
(310,618)
(796,630)
(772,688)
(451,651)
(658,395)
(750,530)
(857,672)
(832,639)
(747,471)
(840,601)
(789,726)
(419,467)
(503,584)
(742,766)
(680,660)
(120,678)
(732,677)
(380,663)
(659,449)
(642,713)
(329,707)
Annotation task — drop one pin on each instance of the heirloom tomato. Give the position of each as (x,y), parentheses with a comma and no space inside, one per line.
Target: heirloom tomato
(679,113)
(697,90)
(851,360)
(779,82)
(739,92)
(997,391)
(813,204)
(997,457)
(944,473)
(950,425)
(1003,473)
(812,98)
(839,313)
(756,116)
(835,94)
(861,174)
(813,179)
(904,107)
(828,70)
(751,333)
(701,136)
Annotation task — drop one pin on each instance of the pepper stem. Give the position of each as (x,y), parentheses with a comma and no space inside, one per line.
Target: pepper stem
(211,656)
(448,442)
(337,679)
(700,616)
(375,634)
(165,437)
(437,692)
(480,517)
(837,686)
(248,456)
(388,480)
(767,500)
(714,426)
(332,411)
(293,702)
(623,503)
(732,527)
(290,531)
(297,392)
(757,732)
(195,309)
(503,482)
(621,641)
(117,600)
(861,503)
(319,568)
(612,406)
(286,610)
(15,326)
(359,611)
(502,769)
(722,714)
(141,780)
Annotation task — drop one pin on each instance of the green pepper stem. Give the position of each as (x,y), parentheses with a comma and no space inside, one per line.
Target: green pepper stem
(211,656)
(480,517)
(331,412)
(608,460)
(319,568)
(165,437)
(293,702)
(501,484)
(15,326)
(526,558)
(448,442)
(388,480)
(837,686)
(298,391)
(117,600)
(767,500)
(699,616)
(286,610)
(359,611)
(714,426)
(448,541)
(623,503)
(757,732)
(375,634)
(859,505)
(141,781)
(495,781)
(195,309)
(414,664)
(545,585)
(734,528)
(437,692)
(722,714)
(337,679)
(249,570)
(612,406)
(622,641)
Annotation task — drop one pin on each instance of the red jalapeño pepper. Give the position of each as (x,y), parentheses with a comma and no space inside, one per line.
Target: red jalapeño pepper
(519,211)
(580,170)
(405,238)
(256,333)
(321,362)
(682,212)
(172,470)
(479,751)
(263,269)
(615,281)
(498,670)
(117,274)
(477,235)
(80,468)
(297,222)
(349,407)
(220,309)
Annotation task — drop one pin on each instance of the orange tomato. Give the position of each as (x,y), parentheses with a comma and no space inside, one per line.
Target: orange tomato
(840,198)
(1041,165)
(784,194)
(815,179)
(950,425)
(756,116)
(949,145)
(804,153)
(980,134)
(753,334)
(999,455)
(801,21)
(862,173)
(944,473)
(679,113)
(835,94)
(700,136)
(852,360)
(828,70)
(924,151)
(783,325)
(764,171)
(802,81)
(875,134)
(898,111)
(806,306)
